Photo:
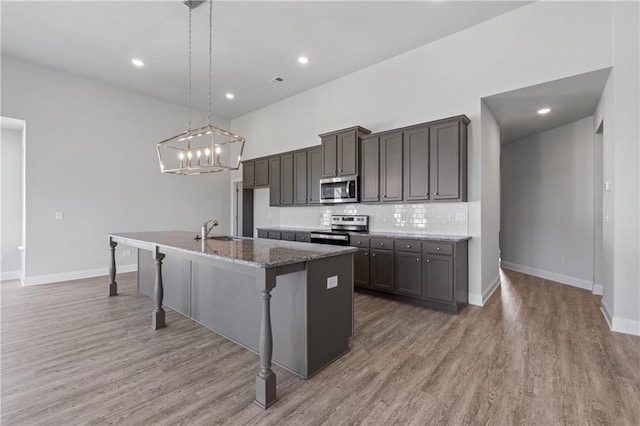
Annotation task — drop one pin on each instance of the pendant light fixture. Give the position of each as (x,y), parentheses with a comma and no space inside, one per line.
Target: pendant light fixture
(205,149)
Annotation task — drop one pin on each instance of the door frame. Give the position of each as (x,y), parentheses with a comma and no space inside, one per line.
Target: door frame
(236,207)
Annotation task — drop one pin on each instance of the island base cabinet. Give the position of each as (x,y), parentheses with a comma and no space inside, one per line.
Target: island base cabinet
(311,323)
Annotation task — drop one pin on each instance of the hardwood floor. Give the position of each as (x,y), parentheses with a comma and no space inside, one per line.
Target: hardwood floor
(538,352)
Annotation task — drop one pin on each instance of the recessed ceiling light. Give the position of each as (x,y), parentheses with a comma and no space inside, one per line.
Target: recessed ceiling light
(544,111)
(230,95)
(303,60)
(137,62)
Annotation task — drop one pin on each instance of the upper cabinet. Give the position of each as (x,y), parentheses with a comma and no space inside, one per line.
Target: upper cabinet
(248,174)
(300,178)
(425,162)
(314,173)
(255,173)
(340,152)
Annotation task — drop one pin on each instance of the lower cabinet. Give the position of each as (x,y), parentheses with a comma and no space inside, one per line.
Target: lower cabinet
(428,273)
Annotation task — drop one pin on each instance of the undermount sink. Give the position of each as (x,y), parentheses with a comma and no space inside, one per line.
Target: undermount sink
(220,238)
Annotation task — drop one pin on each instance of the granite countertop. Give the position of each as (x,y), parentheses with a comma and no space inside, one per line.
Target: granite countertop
(261,253)
(380,234)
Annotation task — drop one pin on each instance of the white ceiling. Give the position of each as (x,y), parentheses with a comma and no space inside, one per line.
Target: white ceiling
(570,99)
(253,42)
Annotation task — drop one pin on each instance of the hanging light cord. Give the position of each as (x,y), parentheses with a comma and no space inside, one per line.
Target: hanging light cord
(210,56)
(190,11)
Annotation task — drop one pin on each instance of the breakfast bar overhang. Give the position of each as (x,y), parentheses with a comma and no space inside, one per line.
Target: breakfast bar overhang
(227,284)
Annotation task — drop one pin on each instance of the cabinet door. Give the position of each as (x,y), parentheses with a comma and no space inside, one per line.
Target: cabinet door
(445,161)
(248,170)
(329,156)
(391,167)
(370,177)
(347,153)
(409,273)
(361,268)
(274,181)
(437,282)
(286,179)
(262,173)
(300,178)
(381,270)
(416,164)
(314,173)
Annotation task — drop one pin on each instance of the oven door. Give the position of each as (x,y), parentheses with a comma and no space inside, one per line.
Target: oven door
(339,190)
(334,239)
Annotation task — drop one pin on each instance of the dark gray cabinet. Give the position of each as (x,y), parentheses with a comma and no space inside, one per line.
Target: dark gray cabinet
(416,164)
(274,181)
(370,169)
(255,173)
(361,268)
(303,237)
(300,177)
(391,167)
(340,153)
(286,180)
(437,281)
(382,270)
(409,273)
(288,236)
(248,174)
(448,163)
(314,173)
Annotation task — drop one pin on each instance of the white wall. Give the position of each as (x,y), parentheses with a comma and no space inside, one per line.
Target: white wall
(490,204)
(441,79)
(547,204)
(91,153)
(11,202)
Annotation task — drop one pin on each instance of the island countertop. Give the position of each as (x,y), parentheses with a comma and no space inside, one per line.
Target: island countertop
(261,253)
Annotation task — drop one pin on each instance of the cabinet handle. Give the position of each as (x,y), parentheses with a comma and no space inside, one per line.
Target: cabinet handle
(359,242)
(366,254)
(374,255)
(437,248)
(428,261)
(426,193)
(418,260)
(408,246)
(382,244)
(435,193)
(340,170)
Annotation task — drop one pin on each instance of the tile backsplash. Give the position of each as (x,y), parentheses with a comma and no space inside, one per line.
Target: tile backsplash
(432,218)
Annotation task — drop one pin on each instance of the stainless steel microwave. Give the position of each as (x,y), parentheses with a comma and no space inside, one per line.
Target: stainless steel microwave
(339,190)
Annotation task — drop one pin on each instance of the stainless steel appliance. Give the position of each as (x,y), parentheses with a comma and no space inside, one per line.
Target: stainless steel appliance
(341,225)
(339,190)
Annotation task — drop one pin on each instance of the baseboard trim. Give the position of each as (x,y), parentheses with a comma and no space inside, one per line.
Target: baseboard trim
(598,289)
(626,326)
(606,312)
(9,275)
(478,299)
(548,275)
(75,275)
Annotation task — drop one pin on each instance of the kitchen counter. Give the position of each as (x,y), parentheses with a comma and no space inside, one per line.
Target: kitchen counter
(379,234)
(228,286)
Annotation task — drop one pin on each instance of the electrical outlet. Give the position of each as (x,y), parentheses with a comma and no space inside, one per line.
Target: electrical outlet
(59,215)
(452,217)
(332,282)
(126,252)
(607,186)
(460,217)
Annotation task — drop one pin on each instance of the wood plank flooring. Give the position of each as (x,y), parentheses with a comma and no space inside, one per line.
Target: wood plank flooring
(538,352)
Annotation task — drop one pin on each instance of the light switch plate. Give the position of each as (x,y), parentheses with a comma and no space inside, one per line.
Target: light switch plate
(607,186)
(126,252)
(59,215)
(460,217)
(332,282)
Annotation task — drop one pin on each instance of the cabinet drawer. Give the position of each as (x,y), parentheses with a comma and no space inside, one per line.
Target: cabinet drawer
(303,237)
(439,248)
(274,235)
(262,233)
(356,241)
(412,246)
(382,243)
(288,235)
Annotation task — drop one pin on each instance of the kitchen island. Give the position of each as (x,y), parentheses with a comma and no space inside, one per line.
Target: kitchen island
(227,285)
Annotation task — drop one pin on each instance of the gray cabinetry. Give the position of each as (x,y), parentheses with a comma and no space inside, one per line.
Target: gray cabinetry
(340,151)
(300,177)
(303,237)
(448,163)
(261,172)
(391,167)
(248,174)
(382,270)
(274,181)
(275,235)
(409,273)
(438,278)
(361,268)
(370,169)
(288,236)
(416,164)
(263,233)
(314,173)
(286,182)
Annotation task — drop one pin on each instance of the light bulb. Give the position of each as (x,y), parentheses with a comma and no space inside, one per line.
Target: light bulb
(207,152)
(544,111)
(198,154)
(218,150)
(189,155)
(181,156)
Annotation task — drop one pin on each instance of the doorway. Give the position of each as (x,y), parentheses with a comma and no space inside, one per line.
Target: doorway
(12,203)
(236,207)
(599,213)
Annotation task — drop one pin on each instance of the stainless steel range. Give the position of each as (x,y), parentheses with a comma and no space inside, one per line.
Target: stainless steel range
(341,225)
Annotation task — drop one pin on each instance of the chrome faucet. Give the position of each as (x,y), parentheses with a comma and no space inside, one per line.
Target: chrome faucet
(206,228)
